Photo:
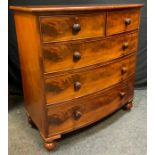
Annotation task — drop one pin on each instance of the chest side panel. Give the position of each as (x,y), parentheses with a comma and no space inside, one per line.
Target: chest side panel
(31,67)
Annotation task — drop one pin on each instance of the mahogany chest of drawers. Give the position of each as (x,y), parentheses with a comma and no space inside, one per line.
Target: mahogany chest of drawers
(77,63)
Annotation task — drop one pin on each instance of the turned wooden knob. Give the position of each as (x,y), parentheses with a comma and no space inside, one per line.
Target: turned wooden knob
(77,86)
(122,94)
(76,27)
(77,114)
(127,21)
(76,56)
(125,45)
(124,70)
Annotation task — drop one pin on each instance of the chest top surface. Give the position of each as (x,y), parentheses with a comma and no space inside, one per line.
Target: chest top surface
(63,8)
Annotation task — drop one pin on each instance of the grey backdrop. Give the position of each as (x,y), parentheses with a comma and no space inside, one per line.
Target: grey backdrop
(15,86)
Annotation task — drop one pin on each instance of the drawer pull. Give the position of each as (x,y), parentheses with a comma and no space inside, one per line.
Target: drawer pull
(127,21)
(125,45)
(122,94)
(124,70)
(77,86)
(76,56)
(76,28)
(77,114)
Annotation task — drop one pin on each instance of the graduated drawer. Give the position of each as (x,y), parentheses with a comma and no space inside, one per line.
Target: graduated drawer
(68,116)
(71,27)
(122,20)
(73,55)
(85,81)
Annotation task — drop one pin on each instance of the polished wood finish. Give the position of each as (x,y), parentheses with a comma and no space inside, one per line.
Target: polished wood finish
(77,64)
(31,68)
(74,8)
(61,88)
(63,28)
(60,56)
(119,21)
(50,146)
(91,108)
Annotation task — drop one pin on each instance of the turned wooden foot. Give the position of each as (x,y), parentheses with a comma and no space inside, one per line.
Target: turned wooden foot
(128,106)
(50,145)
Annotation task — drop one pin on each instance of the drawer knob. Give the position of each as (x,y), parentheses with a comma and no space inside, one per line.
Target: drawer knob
(125,45)
(127,21)
(77,114)
(77,86)
(76,56)
(124,70)
(122,94)
(76,27)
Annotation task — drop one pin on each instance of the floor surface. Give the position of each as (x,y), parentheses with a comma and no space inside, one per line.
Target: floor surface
(123,133)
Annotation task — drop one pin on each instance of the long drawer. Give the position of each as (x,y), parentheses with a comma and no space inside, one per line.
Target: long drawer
(91,79)
(73,55)
(71,27)
(77,113)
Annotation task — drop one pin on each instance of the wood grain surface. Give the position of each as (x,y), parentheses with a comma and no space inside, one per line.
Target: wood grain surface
(73,8)
(60,28)
(61,88)
(116,21)
(60,56)
(63,118)
(31,68)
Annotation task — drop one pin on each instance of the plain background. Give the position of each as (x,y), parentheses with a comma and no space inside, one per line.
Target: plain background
(15,85)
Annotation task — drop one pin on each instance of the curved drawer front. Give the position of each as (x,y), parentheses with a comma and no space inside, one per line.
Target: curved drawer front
(72,85)
(71,27)
(122,21)
(65,56)
(77,113)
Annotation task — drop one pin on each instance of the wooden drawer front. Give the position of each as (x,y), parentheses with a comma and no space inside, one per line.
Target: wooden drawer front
(66,56)
(72,85)
(121,21)
(85,110)
(71,27)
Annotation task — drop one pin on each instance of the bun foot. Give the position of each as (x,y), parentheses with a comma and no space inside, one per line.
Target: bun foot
(50,146)
(128,106)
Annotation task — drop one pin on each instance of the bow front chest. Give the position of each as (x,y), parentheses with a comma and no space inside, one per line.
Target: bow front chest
(77,63)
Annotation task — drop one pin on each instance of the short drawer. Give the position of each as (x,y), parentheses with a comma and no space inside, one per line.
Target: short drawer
(68,116)
(122,21)
(65,56)
(71,27)
(82,82)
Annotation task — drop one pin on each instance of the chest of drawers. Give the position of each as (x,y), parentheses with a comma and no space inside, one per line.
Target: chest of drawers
(77,63)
